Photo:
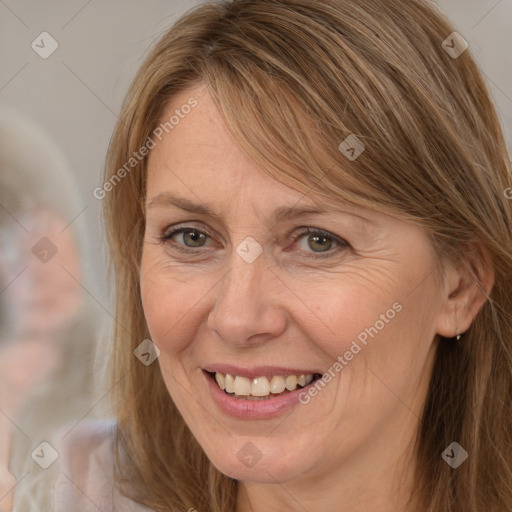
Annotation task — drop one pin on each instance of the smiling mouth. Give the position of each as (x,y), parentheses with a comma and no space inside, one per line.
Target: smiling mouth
(261,388)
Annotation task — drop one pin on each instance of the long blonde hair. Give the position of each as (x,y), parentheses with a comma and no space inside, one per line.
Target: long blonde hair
(292,79)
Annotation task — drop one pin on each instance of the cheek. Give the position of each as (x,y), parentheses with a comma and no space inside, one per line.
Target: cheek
(171,305)
(382,328)
(345,312)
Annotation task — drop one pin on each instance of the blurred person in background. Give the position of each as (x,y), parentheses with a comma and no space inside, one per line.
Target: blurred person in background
(47,318)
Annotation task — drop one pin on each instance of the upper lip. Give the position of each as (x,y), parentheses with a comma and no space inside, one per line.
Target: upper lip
(257,371)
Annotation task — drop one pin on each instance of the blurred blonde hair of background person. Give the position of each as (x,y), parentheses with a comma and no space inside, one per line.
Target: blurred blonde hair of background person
(48,314)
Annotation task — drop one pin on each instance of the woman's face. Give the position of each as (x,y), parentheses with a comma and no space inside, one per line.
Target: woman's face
(244,291)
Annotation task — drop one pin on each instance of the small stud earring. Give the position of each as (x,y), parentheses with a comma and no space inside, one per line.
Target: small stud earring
(459,336)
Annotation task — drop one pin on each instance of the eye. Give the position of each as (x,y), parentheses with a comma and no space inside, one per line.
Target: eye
(321,240)
(193,238)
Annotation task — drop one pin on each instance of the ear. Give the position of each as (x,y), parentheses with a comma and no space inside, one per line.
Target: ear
(467,287)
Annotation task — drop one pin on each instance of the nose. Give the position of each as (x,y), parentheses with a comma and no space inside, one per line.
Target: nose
(248,308)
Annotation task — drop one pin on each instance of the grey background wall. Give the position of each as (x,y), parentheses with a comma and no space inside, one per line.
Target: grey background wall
(76,93)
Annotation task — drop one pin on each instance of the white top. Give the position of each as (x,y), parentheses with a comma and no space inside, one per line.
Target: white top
(86,477)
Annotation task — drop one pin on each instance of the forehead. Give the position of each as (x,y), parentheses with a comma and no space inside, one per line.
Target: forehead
(194,137)
(198,153)
(198,166)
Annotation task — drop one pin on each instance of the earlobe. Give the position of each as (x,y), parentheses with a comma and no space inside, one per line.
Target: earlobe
(467,287)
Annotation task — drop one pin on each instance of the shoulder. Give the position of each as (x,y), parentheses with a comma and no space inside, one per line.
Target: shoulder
(86,476)
(85,434)
(85,459)
(81,445)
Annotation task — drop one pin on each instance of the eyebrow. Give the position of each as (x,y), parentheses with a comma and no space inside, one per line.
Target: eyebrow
(280,214)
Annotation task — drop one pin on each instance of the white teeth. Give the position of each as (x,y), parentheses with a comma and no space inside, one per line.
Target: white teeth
(242,386)
(291,382)
(261,386)
(221,381)
(277,384)
(229,382)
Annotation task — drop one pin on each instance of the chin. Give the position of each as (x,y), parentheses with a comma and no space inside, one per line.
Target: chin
(241,460)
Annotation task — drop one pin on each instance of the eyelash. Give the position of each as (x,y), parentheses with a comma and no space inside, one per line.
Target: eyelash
(168,234)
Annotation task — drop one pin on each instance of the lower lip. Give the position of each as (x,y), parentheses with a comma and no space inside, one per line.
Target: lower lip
(253,409)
